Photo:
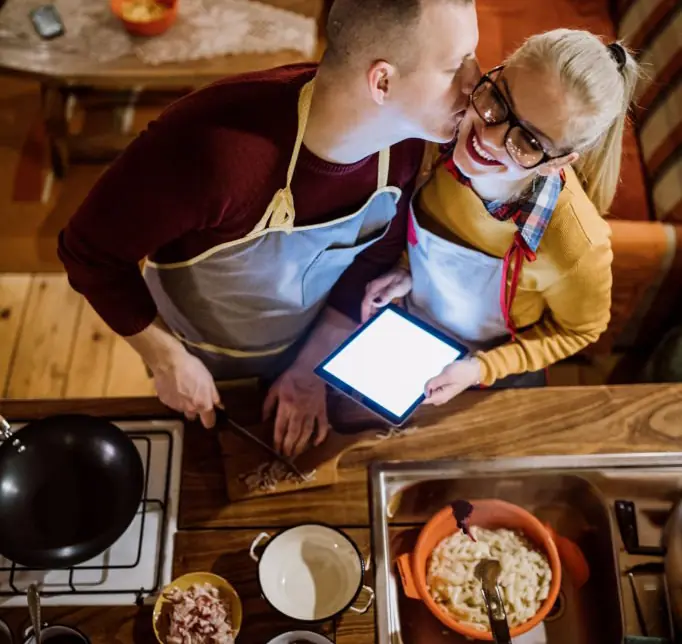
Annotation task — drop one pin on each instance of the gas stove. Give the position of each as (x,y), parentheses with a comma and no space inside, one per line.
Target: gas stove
(140,563)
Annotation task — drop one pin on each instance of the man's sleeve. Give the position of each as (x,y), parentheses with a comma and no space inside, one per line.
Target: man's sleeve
(347,294)
(160,188)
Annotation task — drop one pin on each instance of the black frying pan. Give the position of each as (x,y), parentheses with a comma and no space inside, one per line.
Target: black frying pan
(69,488)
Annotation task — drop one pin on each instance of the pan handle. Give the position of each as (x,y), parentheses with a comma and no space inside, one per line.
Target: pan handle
(5,430)
(6,434)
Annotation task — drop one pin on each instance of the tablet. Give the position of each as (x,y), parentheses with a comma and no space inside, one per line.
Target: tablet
(387,362)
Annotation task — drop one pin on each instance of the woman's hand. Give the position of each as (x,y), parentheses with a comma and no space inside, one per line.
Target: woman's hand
(453,380)
(384,289)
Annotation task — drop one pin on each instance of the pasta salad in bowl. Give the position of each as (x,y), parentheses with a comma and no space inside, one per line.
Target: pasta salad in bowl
(441,569)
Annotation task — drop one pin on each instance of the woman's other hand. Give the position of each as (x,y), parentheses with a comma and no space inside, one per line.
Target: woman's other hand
(453,380)
(384,289)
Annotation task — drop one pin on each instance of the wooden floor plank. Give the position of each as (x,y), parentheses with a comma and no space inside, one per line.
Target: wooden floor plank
(43,353)
(14,290)
(92,349)
(127,373)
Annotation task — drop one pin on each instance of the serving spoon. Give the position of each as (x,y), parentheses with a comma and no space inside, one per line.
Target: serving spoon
(488,571)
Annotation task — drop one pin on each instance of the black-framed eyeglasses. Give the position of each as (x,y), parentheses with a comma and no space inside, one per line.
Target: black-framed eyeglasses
(491,105)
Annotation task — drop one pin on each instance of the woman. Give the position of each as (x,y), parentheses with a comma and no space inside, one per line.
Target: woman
(507,249)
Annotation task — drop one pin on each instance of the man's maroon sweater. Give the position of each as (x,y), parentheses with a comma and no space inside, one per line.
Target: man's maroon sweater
(203,174)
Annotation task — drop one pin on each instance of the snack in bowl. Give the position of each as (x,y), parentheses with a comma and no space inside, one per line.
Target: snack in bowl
(145,17)
(197,608)
(142,10)
(525,579)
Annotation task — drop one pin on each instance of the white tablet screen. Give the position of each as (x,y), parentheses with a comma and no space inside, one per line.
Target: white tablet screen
(391,360)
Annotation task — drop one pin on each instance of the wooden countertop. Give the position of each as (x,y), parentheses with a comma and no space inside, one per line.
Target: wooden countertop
(216,536)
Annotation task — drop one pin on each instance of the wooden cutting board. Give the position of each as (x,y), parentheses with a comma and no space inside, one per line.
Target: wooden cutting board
(242,457)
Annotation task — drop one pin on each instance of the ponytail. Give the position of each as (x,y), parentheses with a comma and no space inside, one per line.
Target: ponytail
(599,165)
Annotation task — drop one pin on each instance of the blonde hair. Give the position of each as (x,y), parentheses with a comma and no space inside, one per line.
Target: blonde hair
(604,86)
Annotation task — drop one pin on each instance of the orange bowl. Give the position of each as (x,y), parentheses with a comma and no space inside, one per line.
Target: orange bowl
(149,28)
(491,514)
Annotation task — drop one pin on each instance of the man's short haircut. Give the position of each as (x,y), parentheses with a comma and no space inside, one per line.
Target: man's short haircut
(359,31)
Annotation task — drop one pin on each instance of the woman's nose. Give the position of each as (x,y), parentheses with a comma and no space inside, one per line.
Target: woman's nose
(493,135)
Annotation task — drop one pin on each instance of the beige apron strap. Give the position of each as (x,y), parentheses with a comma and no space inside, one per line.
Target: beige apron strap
(280,212)
(431,154)
(384,164)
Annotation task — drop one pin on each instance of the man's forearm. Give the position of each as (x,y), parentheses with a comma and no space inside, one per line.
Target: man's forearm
(332,328)
(157,346)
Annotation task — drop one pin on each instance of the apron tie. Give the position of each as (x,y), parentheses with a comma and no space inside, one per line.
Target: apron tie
(279,213)
(513,259)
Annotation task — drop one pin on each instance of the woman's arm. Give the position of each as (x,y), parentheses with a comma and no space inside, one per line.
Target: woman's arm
(578,309)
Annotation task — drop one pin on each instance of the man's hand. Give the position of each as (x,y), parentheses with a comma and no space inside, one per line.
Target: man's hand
(187,386)
(453,380)
(301,401)
(300,396)
(383,290)
(182,381)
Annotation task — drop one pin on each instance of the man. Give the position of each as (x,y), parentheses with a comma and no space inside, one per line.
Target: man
(265,204)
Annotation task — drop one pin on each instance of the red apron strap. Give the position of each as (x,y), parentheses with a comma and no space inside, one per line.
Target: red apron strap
(513,259)
(515,255)
(412,238)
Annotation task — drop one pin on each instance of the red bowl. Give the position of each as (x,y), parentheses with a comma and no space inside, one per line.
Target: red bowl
(151,27)
(491,514)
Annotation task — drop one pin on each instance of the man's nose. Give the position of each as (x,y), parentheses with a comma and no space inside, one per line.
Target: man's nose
(466,81)
(472,74)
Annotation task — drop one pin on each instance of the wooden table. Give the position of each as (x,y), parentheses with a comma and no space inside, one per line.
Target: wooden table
(62,74)
(215,536)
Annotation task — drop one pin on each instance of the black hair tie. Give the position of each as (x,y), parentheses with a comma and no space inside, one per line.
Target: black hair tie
(618,54)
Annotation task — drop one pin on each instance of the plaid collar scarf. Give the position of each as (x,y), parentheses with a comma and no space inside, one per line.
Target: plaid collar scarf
(531,214)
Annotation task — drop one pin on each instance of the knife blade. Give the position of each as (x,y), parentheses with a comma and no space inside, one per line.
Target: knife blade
(222,417)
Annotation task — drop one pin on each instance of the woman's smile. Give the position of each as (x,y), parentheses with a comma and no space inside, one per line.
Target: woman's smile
(477,152)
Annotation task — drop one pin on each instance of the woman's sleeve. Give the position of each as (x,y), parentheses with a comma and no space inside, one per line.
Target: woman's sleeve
(577,312)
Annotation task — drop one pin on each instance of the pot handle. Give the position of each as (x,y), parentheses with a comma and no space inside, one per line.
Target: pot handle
(405,569)
(256,544)
(368,604)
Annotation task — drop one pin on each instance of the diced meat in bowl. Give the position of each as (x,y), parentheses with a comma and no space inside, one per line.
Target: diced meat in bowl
(198,615)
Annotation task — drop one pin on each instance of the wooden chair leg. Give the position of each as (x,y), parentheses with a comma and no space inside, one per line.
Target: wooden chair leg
(54,114)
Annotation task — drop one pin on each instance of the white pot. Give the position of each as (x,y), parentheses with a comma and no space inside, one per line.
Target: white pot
(311,572)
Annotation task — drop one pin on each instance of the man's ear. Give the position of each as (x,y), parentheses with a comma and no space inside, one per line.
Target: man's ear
(556,165)
(379,78)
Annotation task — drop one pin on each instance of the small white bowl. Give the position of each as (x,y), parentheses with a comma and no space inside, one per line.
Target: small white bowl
(293,636)
(311,572)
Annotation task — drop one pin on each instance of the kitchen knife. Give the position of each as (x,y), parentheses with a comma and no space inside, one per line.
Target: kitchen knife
(223,418)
